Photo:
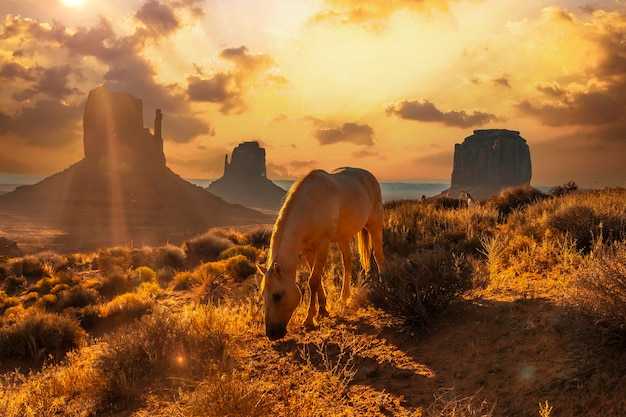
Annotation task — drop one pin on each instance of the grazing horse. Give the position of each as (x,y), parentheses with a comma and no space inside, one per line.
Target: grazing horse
(319,209)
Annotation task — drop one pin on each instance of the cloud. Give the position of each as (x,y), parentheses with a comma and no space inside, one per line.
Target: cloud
(229,88)
(425,111)
(157,19)
(56,125)
(374,13)
(598,96)
(347,133)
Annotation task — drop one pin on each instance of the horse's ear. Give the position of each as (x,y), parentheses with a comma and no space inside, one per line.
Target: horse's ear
(261,269)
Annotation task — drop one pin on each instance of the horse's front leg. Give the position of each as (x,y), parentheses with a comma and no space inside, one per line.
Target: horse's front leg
(346,255)
(315,285)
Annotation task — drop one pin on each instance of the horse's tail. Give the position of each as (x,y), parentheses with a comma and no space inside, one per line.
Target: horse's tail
(365,248)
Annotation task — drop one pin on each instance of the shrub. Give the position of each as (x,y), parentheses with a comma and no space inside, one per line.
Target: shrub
(77,297)
(415,287)
(115,282)
(516,199)
(205,248)
(170,256)
(601,287)
(165,275)
(239,268)
(129,305)
(561,190)
(38,334)
(30,267)
(13,284)
(144,274)
(259,237)
(185,280)
(579,222)
(248,251)
(7,301)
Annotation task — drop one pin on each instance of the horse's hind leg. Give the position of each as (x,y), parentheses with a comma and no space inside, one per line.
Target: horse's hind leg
(346,254)
(376,234)
(315,285)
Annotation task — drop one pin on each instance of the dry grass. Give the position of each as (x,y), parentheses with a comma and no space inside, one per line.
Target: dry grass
(513,300)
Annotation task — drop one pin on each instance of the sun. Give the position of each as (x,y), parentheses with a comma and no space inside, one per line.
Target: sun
(72,3)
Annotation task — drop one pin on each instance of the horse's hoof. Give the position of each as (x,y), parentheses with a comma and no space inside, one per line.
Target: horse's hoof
(324,313)
(309,327)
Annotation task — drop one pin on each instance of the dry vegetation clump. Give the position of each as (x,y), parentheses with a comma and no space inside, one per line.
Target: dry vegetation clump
(35,335)
(600,288)
(206,247)
(516,199)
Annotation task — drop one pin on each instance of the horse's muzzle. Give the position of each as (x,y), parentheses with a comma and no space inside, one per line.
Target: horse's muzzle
(275,332)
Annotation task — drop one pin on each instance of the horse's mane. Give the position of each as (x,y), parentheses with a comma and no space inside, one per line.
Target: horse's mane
(286,208)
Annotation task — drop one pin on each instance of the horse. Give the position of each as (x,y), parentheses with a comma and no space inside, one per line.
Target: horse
(319,209)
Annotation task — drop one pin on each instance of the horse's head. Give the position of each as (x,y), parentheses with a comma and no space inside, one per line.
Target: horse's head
(282,296)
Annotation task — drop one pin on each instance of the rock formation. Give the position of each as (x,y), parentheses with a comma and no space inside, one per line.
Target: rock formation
(489,161)
(245,181)
(114,135)
(122,192)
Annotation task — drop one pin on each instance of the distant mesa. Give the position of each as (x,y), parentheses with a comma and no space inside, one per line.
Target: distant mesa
(121,192)
(245,181)
(488,162)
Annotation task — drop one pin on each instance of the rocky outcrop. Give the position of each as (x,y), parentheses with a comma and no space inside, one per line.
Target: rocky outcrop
(245,181)
(114,136)
(490,161)
(122,192)
(9,249)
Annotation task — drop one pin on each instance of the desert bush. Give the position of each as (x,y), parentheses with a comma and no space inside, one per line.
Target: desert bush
(30,267)
(13,285)
(128,305)
(149,289)
(170,256)
(600,287)
(115,282)
(515,199)
(144,274)
(231,395)
(426,283)
(248,251)
(579,221)
(208,271)
(185,280)
(239,268)
(7,301)
(205,248)
(259,237)
(112,258)
(77,297)
(165,275)
(561,190)
(39,333)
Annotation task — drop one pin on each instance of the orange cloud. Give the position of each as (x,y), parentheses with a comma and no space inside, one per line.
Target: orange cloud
(425,111)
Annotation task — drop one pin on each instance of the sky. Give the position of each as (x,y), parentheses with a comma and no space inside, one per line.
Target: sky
(389,86)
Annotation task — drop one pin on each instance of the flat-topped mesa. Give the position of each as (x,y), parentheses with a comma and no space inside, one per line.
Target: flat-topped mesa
(489,161)
(248,160)
(245,179)
(114,135)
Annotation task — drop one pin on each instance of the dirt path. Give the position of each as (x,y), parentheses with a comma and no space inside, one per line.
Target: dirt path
(511,355)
